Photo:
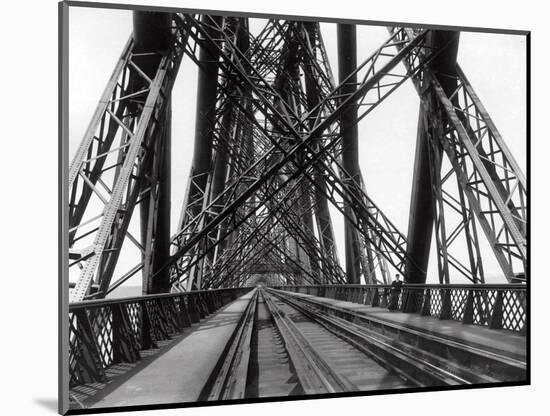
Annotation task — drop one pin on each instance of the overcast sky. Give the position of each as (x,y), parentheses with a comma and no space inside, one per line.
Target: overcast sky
(495,65)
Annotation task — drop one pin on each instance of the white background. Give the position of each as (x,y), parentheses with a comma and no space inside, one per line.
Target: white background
(28,206)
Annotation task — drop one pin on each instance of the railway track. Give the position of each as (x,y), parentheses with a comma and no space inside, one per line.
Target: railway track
(279,350)
(270,372)
(425,358)
(287,344)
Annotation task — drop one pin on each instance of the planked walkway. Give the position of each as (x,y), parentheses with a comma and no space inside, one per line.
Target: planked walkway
(178,374)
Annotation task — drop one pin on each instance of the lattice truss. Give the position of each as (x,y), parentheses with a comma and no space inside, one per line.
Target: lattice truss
(257,202)
(482,182)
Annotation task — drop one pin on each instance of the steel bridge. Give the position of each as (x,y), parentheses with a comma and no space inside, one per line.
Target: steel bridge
(249,297)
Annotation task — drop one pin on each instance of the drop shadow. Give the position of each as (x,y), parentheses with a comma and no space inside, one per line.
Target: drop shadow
(47,403)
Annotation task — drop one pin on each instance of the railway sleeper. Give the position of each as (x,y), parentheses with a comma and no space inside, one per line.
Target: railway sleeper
(316,375)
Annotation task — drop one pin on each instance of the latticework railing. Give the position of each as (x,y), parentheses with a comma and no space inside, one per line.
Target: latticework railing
(107,332)
(493,306)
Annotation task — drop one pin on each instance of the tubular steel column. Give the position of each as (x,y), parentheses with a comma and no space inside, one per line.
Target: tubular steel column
(152,34)
(426,200)
(421,212)
(204,125)
(322,213)
(347,63)
(205,116)
(421,219)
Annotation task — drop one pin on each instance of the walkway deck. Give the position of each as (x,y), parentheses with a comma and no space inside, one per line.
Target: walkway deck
(179,373)
(499,341)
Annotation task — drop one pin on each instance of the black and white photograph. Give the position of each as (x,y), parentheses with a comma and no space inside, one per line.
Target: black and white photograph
(267,207)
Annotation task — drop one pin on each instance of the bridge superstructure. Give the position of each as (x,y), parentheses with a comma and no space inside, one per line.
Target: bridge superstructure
(276,143)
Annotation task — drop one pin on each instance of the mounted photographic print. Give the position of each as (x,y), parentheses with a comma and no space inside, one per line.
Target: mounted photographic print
(260,207)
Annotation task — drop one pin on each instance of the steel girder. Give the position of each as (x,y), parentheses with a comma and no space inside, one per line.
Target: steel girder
(488,175)
(267,145)
(254,233)
(372,79)
(131,111)
(319,82)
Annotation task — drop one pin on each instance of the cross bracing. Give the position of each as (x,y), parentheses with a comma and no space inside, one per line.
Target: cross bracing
(270,157)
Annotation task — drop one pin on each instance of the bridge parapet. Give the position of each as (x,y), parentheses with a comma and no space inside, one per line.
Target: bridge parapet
(111,331)
(495,306)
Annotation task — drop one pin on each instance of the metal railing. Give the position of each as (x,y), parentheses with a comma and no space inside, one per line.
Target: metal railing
(494,306)
(112,331)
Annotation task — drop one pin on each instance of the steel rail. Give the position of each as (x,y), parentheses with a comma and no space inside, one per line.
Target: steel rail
(418,366)
(355,317)
(230,376)
(315,374)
